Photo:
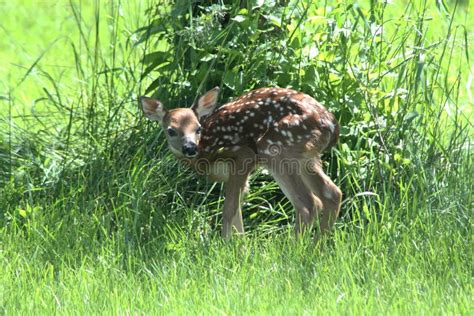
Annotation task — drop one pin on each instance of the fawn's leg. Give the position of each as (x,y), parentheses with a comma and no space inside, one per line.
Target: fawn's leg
(305,203)
(232,214)
(330,195)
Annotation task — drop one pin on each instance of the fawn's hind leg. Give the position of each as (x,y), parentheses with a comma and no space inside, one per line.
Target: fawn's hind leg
(306,204)
(329,194)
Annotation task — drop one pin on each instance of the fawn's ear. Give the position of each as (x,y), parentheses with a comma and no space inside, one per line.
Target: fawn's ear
(152,108)
(207,103)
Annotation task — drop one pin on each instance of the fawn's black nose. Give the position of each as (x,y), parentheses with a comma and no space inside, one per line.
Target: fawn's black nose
(190,149)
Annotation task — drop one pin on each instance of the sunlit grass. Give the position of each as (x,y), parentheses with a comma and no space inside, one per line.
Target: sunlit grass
(97,217)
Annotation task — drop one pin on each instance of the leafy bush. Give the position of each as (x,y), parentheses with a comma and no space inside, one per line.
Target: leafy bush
(382,74)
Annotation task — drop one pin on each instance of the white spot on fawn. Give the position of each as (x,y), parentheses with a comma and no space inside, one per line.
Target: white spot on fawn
(331,126)
(327,193)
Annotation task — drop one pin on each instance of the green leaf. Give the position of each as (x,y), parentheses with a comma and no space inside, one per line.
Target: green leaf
(410,116)
(22,212)
(229,79)
(155,58)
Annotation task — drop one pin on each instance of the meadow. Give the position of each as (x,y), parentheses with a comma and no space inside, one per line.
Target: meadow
(97,217)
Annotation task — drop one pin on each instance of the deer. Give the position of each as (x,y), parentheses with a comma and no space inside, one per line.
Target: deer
(279,129)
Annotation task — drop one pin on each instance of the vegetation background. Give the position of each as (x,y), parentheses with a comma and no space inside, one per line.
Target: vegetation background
(97,217)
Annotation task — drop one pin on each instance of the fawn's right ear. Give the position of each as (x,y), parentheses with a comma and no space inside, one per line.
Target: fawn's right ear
(152,108)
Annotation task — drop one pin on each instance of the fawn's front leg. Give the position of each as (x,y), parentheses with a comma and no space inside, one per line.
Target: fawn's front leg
(232,214)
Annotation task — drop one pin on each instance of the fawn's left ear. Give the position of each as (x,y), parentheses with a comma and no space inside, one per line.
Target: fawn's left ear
(207,103)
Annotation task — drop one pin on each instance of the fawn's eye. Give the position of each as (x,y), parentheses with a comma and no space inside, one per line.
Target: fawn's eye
(198,130)
(172,132)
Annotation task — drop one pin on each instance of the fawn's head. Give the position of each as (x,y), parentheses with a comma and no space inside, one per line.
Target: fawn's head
(181,125)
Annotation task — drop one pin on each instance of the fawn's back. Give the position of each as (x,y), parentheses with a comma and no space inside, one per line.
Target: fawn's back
(269,118)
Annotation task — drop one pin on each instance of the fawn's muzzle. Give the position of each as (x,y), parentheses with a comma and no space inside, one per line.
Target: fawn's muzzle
(189,149)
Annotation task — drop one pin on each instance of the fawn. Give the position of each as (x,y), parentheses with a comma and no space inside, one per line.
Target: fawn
(283,130)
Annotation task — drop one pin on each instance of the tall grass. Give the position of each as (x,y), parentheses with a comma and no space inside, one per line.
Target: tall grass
(95,215)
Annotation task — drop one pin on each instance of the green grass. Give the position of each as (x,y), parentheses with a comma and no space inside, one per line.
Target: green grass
(97,217)
(271,275)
